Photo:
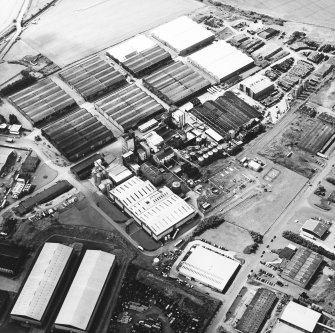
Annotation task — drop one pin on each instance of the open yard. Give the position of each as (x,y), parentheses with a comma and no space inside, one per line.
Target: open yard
(226,235)
(9,11)
(72,30)
(326,96)
(315,12)
(259,210)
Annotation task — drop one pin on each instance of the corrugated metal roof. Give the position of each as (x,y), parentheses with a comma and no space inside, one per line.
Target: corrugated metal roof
(85,289)
(42,281)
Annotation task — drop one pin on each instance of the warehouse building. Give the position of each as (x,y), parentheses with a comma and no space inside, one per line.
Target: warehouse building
(85,294)
(257,86)
(228,112)
(45,278)
(220,61)
(43,102)
(139,55)
(128,107)
(6,156)
(176,83)
(302,267)
(93,78)
(84,168)
(158,212)
(183,35)
(300,317)
(210,266)
(78,134)
(118,173)
(316,228)
(11,258)
(257,311)
(30,163)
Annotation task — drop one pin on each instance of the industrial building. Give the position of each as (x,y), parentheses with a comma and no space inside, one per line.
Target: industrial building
(11,258)
(176,83)
(225,114)
(316,228)
(300,317)
(118,173)
(220,61)
(78,134)
(302,267)
(93,77)
(86,291)
(182,35)
(158,212)
(30,163)
(257,311)
(139,55)
(84,168)
(43,102)
(210,266)
(6,155)
(127,107)
(40,288)
(257,86)
(42,197)
(151,173)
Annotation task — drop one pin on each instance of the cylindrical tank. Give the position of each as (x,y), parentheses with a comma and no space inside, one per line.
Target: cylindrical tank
(203,139)
(210,156)
(198,141)
(200,152)
(187,157)
(214,145)
(206,159)
(196,148)
(155,262)
(176,187)
(205,150)
(193,156)
(94,175)
(232,134)
(98,179)
(201,161)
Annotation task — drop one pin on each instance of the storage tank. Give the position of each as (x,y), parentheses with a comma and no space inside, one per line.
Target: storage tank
(155,262)
(203,139)
(176,187)
(187,157)
(206,159)
(200,152)
(193,156)
(198,141)
(215,153)
(205,150)
(232,134)
(201,161)
(210,156)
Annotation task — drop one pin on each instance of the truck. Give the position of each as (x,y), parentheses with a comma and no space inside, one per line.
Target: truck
(10,140)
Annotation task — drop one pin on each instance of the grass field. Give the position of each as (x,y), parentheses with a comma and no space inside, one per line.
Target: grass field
(9,11)
(262,209)
(226,235)
(73,29)
(316,12)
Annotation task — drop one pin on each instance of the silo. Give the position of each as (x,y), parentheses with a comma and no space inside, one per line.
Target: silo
(215,153)
(201,161)
(176,187)
(206,159)
(193,156)
(198,141)
(203,139)
(210,156)
(98,179)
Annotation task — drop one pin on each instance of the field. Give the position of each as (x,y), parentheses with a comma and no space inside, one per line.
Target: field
(9,11)
(326,96)
(226,235)
(277,150)
(9,71)
(259,210)
(319,13)
(72,30)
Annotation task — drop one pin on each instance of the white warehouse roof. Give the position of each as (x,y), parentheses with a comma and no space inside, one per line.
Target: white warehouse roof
(209,267)
(182,34)
(42,281)
(156,210)
(220,60)
(130,47)
(257,83)
(85,290)
(300,316)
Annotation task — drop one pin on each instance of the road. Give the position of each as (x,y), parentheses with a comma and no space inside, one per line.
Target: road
(18,25)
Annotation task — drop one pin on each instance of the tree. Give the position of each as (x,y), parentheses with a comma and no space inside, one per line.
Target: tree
(13,119)
(2,119)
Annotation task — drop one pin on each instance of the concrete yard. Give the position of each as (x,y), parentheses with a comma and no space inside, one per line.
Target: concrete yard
(72,30)
(315,12)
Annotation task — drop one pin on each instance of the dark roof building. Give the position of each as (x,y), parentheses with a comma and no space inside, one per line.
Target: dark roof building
(11,257)
(84,168)
(31,163)
(42,197)
(163,156)
(78,134)
(257,311)
(287,253)
(151,173)
(302,267)
(93,78)
(316,228)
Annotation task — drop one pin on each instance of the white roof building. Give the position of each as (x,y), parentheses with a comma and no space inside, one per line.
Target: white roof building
(209,267)
(256,85)
(220,60)
(300,317)
(41,284)
(182,35)
(157,211)
(86,289)
(130,47)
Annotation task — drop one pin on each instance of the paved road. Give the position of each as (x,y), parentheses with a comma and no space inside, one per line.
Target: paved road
(18,25)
